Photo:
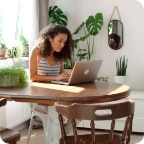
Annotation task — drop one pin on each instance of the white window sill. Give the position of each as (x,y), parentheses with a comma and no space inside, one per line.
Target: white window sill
(10,61)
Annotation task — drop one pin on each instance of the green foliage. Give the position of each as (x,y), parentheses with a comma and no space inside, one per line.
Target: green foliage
(105,79)
(14,76)
(56,15)
(121,66)
(91,28)
(15,52)
(24,41)
(2,43)
(25,44)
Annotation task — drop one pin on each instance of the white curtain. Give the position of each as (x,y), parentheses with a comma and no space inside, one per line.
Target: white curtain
(26,17)
(9,12)
(38,19)
(33,21)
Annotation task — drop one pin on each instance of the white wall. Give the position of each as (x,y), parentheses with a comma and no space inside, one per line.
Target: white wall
(132,16)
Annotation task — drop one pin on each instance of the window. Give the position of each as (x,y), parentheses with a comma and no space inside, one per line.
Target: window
(13,20)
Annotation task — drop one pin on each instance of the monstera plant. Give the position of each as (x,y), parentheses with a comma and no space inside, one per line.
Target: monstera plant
(91,27)
(56,15)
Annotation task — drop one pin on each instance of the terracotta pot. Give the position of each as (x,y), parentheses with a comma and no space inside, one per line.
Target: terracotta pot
(2,52)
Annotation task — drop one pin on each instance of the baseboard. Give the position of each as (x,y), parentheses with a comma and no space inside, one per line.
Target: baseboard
(21,126)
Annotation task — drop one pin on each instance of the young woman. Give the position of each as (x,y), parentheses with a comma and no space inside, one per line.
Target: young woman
(53,45)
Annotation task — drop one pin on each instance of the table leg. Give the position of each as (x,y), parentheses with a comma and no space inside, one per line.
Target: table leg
(55,126)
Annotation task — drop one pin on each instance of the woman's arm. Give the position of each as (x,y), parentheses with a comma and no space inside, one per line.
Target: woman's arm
(34,61)
(62,67)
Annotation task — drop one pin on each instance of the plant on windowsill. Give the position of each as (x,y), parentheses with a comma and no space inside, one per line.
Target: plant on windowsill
(25,44)
(121,67)
(2,48)
(15,51)
(13,76)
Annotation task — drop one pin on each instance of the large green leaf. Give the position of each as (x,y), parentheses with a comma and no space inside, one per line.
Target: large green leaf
(94,24)
(52,9)
(81,56)
(76,43)
(56,15)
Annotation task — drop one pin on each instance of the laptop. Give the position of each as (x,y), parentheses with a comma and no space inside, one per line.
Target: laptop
(83,72)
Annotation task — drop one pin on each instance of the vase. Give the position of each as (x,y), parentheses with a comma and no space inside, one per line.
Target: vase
(2,52)
(120,79)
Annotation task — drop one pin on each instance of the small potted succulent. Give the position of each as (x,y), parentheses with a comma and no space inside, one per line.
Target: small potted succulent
(25,44)
(121,67)
(2,48)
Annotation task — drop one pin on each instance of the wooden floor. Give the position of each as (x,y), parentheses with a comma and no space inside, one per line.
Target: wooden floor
(37,136)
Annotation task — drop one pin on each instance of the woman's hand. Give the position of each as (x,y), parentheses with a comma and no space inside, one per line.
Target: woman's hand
(62,76)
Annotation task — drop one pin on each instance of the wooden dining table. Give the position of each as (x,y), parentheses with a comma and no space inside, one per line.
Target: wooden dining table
(47,94)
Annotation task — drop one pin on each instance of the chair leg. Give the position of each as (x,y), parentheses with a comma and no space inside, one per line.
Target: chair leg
(125,130)
(112,131)
(46,126)
(129,131)
(63,133)
(30,127)
(92,125)
(74,131)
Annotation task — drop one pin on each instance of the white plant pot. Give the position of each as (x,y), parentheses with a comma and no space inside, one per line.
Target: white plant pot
(9,81)
(120,79)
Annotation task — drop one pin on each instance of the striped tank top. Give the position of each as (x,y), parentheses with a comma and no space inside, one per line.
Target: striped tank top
(45,69)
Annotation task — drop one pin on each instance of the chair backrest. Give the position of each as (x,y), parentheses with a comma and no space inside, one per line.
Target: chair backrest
(1,141)
(89,112)
(3,102)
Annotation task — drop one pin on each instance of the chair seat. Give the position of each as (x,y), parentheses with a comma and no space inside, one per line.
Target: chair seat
(100,139)
(9,136)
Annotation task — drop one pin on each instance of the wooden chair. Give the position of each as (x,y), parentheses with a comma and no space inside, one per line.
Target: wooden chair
(89,112)
(7,135)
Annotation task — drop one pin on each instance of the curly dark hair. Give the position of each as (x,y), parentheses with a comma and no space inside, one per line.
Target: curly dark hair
(44,44)
(114,41)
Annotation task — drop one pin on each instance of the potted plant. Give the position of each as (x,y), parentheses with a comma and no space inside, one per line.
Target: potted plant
(15,51)
(91,28)
(2,48)
(13,76)
(25,44)
(121,67)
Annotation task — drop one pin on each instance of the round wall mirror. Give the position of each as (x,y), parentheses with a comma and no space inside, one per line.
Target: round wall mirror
(115,34)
